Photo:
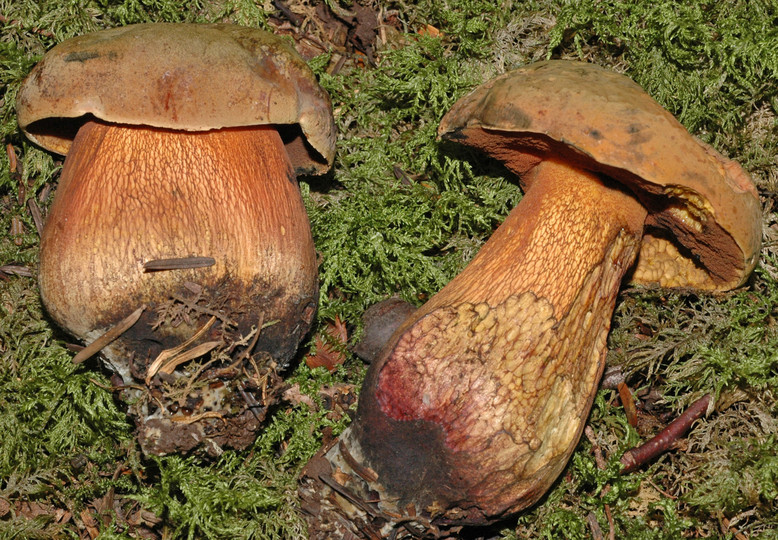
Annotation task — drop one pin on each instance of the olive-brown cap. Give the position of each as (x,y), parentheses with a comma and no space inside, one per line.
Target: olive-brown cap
(704,224)
(188,77)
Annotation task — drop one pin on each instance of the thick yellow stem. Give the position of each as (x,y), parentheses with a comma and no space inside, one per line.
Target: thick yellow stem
(475,406)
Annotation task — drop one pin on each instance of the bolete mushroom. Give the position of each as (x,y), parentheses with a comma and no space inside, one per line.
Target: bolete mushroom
(477,401)
(179,193)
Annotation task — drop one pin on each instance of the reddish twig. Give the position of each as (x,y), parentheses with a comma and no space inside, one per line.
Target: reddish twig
(632,459)
(20,26)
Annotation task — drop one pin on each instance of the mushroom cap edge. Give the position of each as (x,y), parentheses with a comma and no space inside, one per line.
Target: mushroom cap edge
(261,80)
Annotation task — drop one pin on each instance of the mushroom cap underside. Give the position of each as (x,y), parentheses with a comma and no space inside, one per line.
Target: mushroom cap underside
(704,224)
(190,77)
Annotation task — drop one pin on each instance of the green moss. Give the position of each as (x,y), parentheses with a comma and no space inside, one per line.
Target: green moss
(706,62)
(51,409)
(412,214)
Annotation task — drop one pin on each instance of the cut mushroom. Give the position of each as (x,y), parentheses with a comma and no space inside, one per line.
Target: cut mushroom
(476,403)
(182,143)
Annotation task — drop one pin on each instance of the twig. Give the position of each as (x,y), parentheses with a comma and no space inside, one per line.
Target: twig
(594,526)
(195,376)
(180,263)
(35,212)
(196,418)
(101,342)
(599,459)
(193,306)
(293,17)
(191,354)
(246,353)
(20,26)
(609,517)
(632,459)
(366,473)
(251,401)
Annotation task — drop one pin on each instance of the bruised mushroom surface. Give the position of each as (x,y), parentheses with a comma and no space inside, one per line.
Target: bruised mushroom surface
(475,404)
(179,195)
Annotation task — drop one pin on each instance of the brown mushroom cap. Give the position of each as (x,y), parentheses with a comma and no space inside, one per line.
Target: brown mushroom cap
(187,77)
(603,122)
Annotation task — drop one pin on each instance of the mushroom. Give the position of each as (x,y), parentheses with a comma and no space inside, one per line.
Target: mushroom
(477,401)
(179,190)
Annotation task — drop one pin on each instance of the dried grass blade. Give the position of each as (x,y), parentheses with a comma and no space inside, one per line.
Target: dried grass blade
(194,352)
(167,354)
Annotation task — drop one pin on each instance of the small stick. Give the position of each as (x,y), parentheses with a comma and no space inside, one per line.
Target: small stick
(293,17)
(611,528)
(20,26)
(247,352)
(117,330)
(628,402)
(196,418)
(599,459)
(16,269)
(366,473)
(594,526)
(35,212)
(194,352)
(181,263)
(632,459)
(252,403)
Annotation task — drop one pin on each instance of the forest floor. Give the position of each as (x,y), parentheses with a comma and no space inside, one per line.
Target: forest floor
(400,215)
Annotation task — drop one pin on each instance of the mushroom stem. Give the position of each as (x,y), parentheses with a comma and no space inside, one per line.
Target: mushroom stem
(128,195)
(477,401)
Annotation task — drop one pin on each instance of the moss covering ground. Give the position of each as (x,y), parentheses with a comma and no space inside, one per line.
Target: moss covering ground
(402,214)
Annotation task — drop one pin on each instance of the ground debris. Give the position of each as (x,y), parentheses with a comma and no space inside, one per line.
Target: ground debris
(326,27)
